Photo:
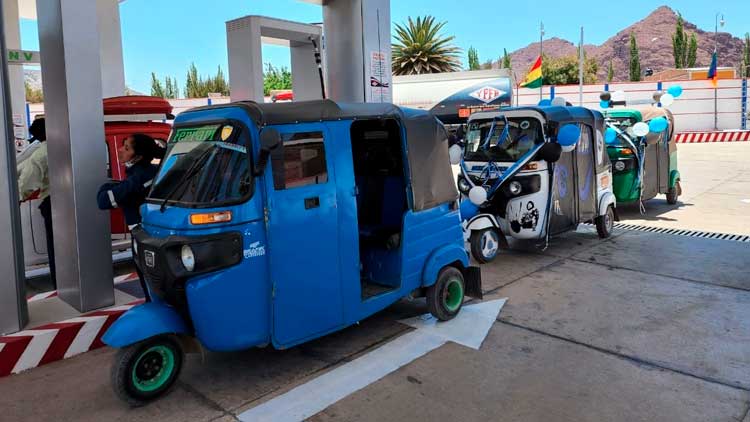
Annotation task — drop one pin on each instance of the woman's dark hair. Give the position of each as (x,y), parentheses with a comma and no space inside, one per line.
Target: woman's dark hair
(146,147)
(38,130)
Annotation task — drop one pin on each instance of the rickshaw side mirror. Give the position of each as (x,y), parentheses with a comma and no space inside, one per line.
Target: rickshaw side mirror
(270,139)
(550,152)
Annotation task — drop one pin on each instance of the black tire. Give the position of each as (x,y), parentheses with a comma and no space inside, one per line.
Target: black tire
(605,223)
(673,193)
(479,241)
(446,296)
(133,376)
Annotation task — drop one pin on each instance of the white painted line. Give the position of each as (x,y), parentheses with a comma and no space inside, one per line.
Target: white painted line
(469,328)
(35,350)
(86,335)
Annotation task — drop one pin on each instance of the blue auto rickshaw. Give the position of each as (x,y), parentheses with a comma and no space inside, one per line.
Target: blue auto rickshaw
(275,224)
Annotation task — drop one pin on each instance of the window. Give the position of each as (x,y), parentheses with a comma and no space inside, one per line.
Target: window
(301,161)
(523,134)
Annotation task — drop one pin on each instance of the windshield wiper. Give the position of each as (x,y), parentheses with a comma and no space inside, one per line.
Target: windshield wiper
(191,172)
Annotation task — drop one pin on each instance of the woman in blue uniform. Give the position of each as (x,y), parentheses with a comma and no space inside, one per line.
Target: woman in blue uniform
(136,153)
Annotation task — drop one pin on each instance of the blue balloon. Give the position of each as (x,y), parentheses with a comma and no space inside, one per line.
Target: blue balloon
(658,125)
(675,90)
(468,209)
(603,104)
(545,103)
(568,136)
(610,135)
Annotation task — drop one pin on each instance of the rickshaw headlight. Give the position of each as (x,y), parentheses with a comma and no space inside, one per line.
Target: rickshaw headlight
(463,185)
(619,165)
(515,187)
(187,257)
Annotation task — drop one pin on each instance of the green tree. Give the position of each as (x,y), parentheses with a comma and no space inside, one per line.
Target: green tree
(274,78)
(157,89)
(34,96)
(192,83)
(419,48)
(168,88)
(692,53)
(745,70)
(473,59)
(564,70)
(506,60)
(486,65)
(610,71)
(635,60)
(680,44)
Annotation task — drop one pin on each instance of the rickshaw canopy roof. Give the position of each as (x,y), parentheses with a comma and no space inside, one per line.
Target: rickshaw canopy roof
(557,115)
(431,175)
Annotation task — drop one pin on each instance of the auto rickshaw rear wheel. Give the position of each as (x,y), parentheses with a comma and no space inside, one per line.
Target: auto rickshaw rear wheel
(147,370)
(484,245)
(673,193)
(446,296)
(605,223)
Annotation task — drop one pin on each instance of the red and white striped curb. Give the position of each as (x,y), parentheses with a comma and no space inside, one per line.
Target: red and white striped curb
(723,136)
(61,340)
(46,295)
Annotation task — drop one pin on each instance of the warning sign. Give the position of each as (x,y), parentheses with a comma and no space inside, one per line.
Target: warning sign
(380,77)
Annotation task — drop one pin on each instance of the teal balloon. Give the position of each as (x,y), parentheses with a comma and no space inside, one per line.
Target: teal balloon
(545,103)
(468,209)
(610,135)
(675,90)
(603,104)
(568,136)
(658,125)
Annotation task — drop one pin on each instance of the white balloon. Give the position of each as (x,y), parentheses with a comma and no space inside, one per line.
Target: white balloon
(666,100)
(477,195)
(618,96)
(455,153)
(640,129)
(558,101)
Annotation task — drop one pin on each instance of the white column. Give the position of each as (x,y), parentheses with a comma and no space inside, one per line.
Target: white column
(15,72)
(245,59)
(110,51)
(71,74)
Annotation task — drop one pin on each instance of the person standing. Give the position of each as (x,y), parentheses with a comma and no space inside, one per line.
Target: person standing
(33,183)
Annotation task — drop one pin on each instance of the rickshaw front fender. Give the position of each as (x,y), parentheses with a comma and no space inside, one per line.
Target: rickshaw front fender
(439,258)
(483,221)
(605,201)
(674,176)
(144,321)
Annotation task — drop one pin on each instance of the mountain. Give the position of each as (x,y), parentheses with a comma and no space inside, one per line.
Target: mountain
(654,37)
(33,77)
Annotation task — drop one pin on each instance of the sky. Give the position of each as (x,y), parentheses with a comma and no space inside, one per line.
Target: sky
(166,36)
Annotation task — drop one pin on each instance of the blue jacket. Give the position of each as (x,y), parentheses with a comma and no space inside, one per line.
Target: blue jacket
(129,194)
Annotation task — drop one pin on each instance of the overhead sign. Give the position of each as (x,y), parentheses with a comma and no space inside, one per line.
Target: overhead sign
(23,57)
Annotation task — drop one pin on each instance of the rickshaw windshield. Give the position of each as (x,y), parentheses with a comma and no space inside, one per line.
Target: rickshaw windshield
(623,124)
(205,164)
(523,134)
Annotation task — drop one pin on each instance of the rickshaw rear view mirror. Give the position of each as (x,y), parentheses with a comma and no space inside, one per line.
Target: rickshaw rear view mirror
(270,139)
(550,152)
(568,136)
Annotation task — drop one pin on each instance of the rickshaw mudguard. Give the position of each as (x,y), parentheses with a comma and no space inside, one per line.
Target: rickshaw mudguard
(439,258)
(674,176)
(605,201)
(142,322)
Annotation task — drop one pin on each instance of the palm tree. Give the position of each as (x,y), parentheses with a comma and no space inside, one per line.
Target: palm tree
(420,49)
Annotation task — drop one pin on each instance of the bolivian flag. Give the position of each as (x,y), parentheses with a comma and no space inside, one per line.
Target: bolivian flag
(534,78)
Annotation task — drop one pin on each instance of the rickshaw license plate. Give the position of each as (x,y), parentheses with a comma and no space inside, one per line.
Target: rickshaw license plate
(150,258)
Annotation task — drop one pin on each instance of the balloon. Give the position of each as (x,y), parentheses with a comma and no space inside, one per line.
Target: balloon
(568,136)
(640,129)
(467,209)
(603,104)
(675,90)
(666,100)
(618,96)
(610,135)
(455,153)
(658,125)
(558,101)
(545,102)
(477,195)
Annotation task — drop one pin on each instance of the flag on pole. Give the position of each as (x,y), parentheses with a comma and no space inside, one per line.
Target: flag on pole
(713,72)
(534,77)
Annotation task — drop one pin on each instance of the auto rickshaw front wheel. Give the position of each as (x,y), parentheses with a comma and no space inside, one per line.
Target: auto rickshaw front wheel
(605,223)
(446,296)
(673,193)
(484,244)
(147,370)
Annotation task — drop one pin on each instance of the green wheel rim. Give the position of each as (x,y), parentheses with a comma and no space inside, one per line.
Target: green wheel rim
(153,368)
(453,295)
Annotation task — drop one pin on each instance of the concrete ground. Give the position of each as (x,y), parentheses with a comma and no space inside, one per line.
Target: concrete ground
(638,327)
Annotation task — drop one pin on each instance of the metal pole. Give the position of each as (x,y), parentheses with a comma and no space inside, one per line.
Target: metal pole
(580,71)
(13,308)
(541,53)
(716,88)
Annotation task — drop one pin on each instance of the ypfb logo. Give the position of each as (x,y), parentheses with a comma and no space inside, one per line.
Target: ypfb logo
(487,94)
(255,250)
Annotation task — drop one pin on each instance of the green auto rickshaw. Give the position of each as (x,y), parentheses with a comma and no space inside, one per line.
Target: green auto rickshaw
(644,161)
